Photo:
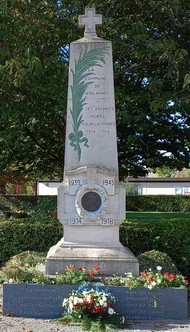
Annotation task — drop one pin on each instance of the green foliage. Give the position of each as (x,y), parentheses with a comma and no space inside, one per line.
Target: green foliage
(74,275)
(33,76)
(29,258)
(151,259)
(165,171)
(28,266)
(162,203)
(151,72)
(41,208)
(135,215)
(21,267)
(92,307)
(19,274)
(45,210)
(170,236)
(151,279)
(16,206)
(21,235)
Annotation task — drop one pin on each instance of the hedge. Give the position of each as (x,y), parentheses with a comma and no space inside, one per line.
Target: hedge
(17,236)
(159,203)
(170,236)
(38,208)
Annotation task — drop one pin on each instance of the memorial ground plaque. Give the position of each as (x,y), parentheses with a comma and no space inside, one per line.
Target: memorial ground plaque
(91,200)
(45,301)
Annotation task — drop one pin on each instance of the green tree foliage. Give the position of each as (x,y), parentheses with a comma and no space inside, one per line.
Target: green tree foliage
(166,171)
(151,50)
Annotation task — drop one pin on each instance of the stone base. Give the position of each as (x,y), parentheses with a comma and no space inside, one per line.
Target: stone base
(45,301)
(111,260)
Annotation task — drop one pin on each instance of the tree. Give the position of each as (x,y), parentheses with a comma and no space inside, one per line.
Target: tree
(166,172)
(151,69)
(173,173)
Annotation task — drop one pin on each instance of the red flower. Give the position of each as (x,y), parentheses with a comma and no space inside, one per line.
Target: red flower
(90,307)
(151,279)
(71,267)
(97,309)
(143,275)
(54,214)
(96,268)
(171,277)
(82,268)
(20,265)
(91,299)
(92,274)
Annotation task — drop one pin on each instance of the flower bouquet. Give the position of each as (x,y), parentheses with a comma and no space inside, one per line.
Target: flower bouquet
(92,307)
(148,279)
(77,275)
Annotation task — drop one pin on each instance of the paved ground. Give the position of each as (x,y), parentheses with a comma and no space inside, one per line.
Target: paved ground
(15,324)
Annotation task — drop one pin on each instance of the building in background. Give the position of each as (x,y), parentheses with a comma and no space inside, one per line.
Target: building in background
(47,187)
(159,186)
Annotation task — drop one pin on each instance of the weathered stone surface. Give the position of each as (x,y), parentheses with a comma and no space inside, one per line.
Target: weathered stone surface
(91,200)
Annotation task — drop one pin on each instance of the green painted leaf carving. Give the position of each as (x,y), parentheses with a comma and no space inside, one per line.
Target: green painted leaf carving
(86,61)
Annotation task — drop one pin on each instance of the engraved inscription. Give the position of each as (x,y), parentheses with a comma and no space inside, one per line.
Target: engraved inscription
(75,221)
(108,221)
(75,182)
(108,182)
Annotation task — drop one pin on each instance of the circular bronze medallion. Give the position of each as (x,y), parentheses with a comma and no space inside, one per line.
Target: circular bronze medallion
(91,201)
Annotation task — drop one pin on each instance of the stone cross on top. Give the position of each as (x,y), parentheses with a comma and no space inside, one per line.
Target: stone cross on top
(89,21)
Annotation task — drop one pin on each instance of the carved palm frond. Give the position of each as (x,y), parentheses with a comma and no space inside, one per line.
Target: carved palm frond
(87,60)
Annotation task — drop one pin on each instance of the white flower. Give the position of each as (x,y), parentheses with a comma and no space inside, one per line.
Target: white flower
(75,300)
(153,283)
(64,303)
(129,275)
(70,306)
(159,281)
(111,311)
(10,281)
(150,286)
(88,298)
(159,268)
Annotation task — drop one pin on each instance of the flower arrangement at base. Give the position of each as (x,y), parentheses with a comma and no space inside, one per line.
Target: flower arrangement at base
(92,307)
(77,275)
(21,271)
(148,279)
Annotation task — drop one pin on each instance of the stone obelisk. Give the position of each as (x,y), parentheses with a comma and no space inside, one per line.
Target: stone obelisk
(91,200)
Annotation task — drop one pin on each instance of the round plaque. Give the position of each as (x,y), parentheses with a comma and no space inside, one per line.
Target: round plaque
(91,201)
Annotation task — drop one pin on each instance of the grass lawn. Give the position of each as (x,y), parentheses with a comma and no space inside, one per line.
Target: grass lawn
(132,215)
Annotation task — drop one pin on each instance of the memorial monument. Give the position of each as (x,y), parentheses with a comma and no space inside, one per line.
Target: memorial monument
(91,200)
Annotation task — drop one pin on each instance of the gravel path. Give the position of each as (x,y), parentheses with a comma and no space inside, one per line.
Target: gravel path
(15,324)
